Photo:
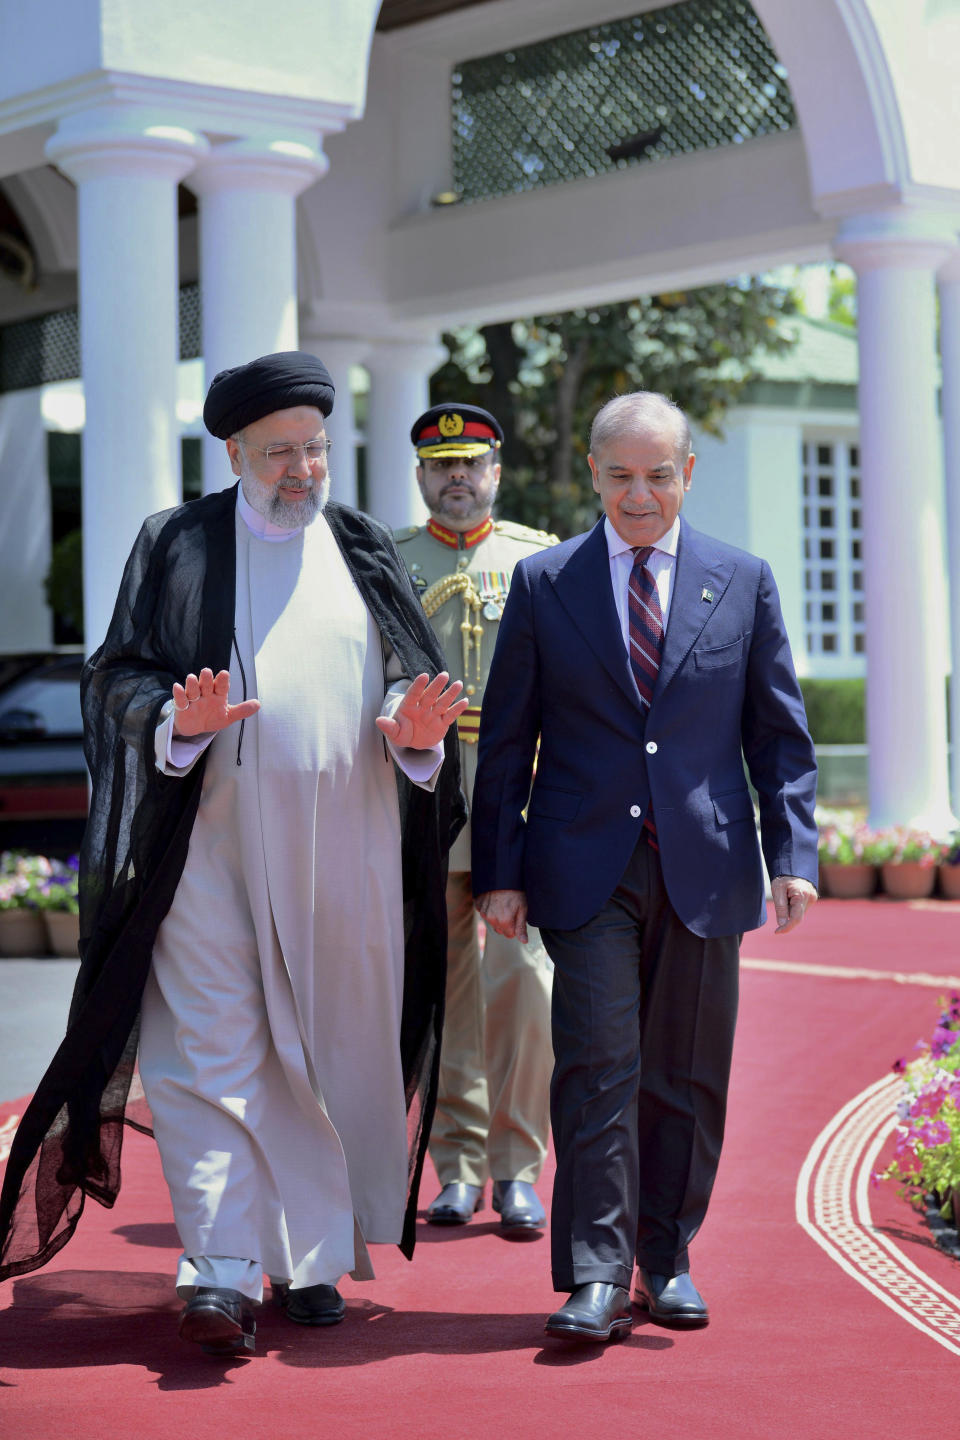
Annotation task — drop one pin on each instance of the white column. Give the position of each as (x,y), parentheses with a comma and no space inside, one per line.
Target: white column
(950,410)
(896,255)
(126,165)
(248,258)
(400,373)
(339,353)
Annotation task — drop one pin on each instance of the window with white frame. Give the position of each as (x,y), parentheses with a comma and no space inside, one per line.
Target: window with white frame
(832,548)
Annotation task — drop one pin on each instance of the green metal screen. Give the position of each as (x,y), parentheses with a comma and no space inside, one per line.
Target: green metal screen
(691,76)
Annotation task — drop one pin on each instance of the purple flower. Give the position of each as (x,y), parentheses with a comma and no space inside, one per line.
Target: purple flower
(936,1133)
(899,1066)
(943,1040)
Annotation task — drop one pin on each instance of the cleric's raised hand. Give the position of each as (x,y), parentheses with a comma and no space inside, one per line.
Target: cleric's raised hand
(202,704)
(425,713)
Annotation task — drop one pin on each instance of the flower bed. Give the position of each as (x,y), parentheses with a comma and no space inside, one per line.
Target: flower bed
(926,1157)
(39,908)
(905,862)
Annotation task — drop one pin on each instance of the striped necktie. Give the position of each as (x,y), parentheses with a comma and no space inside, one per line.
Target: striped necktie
(646,643)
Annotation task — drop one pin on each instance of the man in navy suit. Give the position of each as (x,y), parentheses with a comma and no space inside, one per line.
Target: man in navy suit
(650,661)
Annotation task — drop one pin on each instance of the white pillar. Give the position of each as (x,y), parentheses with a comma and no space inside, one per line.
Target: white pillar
(126,165)
(339,353)
(400,373)
(896,255)
(950,410)
(248,258)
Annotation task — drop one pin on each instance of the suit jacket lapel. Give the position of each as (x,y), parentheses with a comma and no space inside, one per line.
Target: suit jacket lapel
(697,575)
(583,587)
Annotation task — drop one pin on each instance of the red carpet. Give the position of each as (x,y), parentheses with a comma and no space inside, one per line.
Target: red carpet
(844,1325)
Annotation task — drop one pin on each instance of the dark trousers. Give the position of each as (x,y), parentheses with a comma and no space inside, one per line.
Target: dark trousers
(643,1020)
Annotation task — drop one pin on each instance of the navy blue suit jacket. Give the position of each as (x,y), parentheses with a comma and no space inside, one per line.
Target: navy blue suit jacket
(726,691)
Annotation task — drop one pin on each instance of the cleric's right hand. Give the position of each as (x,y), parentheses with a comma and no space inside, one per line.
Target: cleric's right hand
(201,704)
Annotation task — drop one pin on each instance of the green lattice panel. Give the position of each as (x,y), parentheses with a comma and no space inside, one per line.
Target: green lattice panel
(688,77)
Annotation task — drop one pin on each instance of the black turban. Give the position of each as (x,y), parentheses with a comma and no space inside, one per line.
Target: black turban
(246,393)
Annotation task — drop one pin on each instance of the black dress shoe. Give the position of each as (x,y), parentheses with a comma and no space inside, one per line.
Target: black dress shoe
(219,1321)
(518,1205)
(671,1299)
(455,1204)
(594,1312)
(314,1305)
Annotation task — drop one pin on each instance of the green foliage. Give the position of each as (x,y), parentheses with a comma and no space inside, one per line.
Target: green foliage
(842,300)
(545,378)
(836,711)
(63,585)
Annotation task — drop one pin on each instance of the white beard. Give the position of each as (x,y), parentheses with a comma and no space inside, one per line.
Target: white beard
(287,514)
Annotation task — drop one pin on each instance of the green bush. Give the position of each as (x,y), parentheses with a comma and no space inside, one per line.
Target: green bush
(836,711)
(64,581)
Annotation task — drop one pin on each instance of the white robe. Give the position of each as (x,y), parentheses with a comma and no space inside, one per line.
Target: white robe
(269,1044)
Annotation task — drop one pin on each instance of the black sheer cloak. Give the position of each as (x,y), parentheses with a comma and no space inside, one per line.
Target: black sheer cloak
(174,613)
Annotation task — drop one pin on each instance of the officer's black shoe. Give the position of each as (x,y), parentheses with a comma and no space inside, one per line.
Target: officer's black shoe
(455,1204)
(518,1205)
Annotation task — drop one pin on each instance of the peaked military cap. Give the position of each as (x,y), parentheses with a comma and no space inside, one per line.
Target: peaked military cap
(449,430)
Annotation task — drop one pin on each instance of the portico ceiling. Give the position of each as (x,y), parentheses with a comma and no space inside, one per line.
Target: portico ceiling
(394,14)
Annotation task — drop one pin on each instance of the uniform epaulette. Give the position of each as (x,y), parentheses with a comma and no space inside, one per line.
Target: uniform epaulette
(525,532)
(407,533)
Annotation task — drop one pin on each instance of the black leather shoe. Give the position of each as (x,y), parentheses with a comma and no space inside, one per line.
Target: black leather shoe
(671,1299)
(594,1312)
(219,1321)
(314,1305)
(518,1205)
(455,1204)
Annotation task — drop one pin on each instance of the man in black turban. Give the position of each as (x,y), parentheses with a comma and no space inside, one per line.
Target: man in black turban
(262,885)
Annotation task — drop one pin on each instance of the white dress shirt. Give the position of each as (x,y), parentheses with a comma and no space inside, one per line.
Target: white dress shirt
(661,564)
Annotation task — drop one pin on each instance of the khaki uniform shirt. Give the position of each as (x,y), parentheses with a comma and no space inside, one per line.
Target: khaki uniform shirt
(463,581)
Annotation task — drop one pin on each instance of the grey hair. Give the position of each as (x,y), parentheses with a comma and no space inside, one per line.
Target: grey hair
(629,413)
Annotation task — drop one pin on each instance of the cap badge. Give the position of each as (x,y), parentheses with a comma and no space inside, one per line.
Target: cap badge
(450,425)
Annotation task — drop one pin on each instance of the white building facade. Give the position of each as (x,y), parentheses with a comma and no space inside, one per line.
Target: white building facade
(316,141)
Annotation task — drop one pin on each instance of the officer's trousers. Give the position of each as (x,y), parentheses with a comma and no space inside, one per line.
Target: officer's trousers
(493,1105)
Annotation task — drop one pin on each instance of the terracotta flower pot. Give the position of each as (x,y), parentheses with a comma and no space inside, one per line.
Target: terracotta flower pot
(63,933)
(848,882)
(948,877)
(908,879)
(22,933)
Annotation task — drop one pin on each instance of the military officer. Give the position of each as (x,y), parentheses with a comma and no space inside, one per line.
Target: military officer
(492,1115)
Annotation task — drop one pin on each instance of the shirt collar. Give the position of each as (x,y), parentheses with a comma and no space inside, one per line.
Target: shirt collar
(616,545)
(457,540)
(258,524)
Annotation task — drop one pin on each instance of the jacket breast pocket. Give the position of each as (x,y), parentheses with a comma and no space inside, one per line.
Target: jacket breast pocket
(734,806)
(721,655)
(547,803)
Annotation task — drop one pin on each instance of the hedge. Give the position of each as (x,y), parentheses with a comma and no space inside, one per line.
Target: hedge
(836,711)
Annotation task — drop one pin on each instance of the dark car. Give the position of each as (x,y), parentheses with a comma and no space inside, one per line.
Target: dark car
(43,778)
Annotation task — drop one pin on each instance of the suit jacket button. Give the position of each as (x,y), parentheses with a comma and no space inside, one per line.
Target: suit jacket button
(636,811)
(651,747)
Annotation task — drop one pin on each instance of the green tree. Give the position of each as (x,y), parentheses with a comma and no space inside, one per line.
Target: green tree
(544,378)
(63,583)
(842,297)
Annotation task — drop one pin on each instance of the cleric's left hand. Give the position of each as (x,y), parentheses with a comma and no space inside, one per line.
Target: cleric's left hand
(425,713)
(791,899)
